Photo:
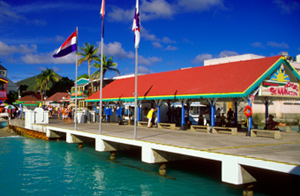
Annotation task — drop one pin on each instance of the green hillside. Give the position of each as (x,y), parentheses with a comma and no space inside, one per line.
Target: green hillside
(31,82)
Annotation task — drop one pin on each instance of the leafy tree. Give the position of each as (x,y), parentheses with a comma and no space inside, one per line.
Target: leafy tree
(108,65)
(12,96)
(88,54)
(22,88)
(63,85)
(83,76)
(43,81)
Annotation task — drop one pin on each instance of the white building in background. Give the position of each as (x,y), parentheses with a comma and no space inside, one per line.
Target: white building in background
(287,110)
(230,59)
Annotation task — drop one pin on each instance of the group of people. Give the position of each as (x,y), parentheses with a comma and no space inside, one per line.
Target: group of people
(13,112)
(220,119)
(64,113)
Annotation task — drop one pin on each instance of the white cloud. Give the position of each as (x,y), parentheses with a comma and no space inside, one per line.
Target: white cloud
(143,70)
(201,57)
(10,14)
(47,58)
(145,34)
(278,45)
(162,9)
(155,59)
(56,69)
(59,38)
(120,15)
(157,42)
(257,45)
(227,53)
(200,5)
(171,48)
(148,61)
(115,49)
(20,49)
(167,40)
(156,9)
(287,7)
(156,45)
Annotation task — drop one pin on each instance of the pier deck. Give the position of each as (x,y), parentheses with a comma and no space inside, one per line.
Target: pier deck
(266,153)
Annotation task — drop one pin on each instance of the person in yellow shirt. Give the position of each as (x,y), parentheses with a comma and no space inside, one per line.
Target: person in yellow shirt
(149,116)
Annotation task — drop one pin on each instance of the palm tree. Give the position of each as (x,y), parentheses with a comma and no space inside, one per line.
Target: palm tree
(108,65)
(88,54)
(43,81)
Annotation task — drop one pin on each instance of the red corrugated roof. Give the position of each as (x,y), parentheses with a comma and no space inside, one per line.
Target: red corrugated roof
(214,79)
(58,96)
(29,98)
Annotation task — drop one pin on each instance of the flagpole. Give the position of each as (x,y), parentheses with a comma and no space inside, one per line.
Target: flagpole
(102,13)
(135,94)
(101,84)
(136,30)
(76,90)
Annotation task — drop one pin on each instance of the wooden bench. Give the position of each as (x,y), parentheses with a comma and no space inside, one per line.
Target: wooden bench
(232,130)
(142,124)
(167,125)
(200,128)
(266,133)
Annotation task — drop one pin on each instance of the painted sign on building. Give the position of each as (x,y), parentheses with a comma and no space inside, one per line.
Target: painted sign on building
(279,85)
(286,89)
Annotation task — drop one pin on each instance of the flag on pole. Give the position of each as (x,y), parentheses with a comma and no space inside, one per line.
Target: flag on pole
(102,13)
(136,25)
(68,46)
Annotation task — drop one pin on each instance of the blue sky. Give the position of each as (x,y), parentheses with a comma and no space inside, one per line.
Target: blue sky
(174,34)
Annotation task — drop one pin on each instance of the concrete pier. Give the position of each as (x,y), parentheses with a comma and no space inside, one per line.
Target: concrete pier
(162,145)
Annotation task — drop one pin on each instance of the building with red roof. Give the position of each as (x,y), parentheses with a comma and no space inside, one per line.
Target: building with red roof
(30,101)
(239,81)
(57,98)
(223,81)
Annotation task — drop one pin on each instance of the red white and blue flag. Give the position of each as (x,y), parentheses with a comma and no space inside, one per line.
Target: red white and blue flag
(68,46)
(136,25)
(102,13)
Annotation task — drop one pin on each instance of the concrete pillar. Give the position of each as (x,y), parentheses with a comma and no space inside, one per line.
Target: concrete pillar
(151,156)
(103,146)
(70,138)
(234,173)
(51,134)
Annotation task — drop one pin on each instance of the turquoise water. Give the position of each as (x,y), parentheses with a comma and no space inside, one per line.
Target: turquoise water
(37,167)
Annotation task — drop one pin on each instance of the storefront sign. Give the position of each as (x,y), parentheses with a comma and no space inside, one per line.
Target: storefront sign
(79,93)
(279,89)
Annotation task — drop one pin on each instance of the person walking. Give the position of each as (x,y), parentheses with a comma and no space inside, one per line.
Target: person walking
(149,116)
